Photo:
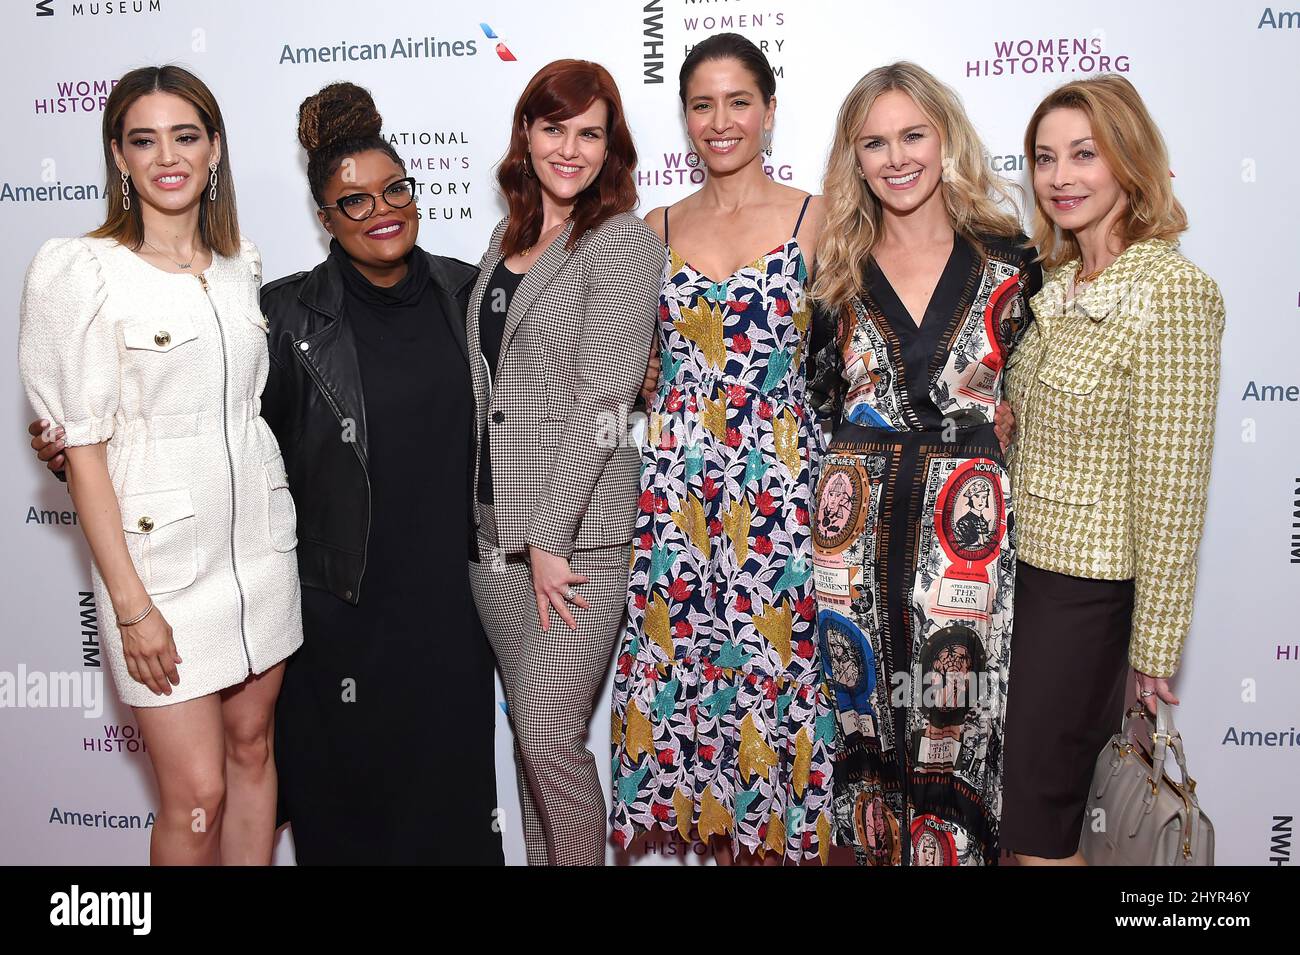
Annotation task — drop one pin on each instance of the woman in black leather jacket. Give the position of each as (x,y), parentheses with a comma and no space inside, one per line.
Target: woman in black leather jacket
(384,727)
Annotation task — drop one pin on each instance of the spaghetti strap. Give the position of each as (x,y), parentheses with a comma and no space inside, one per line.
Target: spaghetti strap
(802,210)
(665,225)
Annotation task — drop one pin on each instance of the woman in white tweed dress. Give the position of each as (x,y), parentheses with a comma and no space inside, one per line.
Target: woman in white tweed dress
(145,343)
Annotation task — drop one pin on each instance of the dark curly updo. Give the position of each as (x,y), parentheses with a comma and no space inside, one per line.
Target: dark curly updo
(339,121)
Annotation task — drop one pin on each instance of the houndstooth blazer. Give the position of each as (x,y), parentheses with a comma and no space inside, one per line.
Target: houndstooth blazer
(1115,393)
(565,472)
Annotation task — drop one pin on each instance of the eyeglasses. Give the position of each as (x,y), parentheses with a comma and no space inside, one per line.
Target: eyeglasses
(361,205)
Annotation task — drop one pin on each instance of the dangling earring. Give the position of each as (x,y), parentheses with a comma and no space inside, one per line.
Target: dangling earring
(126,192)
(527,167)
(212,193)
(767,142)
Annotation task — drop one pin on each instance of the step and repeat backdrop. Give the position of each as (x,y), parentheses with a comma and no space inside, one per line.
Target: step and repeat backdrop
(1220,78)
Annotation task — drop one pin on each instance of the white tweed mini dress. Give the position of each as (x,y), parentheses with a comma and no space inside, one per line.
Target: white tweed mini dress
(168,369)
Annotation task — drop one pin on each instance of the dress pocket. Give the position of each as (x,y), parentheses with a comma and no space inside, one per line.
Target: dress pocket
(611,514)
(1068,396)
(159,335)
(1069,450)
(550,434)
(282,516)
(1064,480)
(1058,464)
(162,536)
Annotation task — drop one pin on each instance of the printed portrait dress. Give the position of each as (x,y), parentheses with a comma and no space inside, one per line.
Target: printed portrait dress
(914,542)
(722,722)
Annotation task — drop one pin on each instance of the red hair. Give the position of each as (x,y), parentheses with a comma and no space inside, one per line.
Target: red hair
(560,91)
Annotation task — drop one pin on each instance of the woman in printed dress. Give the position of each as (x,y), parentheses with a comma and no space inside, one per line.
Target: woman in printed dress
(722,721)
(922,287)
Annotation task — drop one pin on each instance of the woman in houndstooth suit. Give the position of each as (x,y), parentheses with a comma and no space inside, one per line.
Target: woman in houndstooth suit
(563,314)
(1115,389)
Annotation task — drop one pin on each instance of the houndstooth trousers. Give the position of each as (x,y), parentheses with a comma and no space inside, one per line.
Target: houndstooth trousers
(551,680)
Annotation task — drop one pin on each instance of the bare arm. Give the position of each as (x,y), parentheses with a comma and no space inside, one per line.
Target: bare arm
(810,230)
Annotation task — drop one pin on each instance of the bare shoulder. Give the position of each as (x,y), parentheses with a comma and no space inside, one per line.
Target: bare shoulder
(816,208)
(655,220)
(786,196)
(815,215)
(810,228)
(787,201)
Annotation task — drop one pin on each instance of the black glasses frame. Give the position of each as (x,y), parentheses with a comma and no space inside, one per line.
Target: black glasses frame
(409,182)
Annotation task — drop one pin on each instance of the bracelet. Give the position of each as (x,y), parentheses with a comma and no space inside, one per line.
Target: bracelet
(137,618)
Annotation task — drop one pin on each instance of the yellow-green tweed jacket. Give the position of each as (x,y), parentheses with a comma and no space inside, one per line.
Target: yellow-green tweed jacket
(1114,394)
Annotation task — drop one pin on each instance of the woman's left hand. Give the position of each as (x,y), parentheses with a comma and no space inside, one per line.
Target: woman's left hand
(1004,424)
(1157,687)
(552,578)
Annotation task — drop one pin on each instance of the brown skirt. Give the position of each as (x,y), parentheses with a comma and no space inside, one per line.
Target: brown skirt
(1065,699)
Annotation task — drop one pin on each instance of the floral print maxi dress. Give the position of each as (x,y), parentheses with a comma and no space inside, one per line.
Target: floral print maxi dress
(722,723)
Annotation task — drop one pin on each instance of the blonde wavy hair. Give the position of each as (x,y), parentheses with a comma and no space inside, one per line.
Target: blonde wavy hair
(1130,143)
(975,197)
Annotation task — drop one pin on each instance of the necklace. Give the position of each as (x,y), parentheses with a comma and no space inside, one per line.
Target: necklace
(179,265)
(1081,279)
(558,225)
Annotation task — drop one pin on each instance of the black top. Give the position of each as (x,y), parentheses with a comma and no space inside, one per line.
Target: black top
(418,399)
(497,295)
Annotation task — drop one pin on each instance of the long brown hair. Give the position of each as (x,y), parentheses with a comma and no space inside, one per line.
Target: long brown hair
(560,91)
(218,223)
(1130,142)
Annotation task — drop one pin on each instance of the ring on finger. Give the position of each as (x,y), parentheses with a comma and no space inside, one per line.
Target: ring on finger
(570,594)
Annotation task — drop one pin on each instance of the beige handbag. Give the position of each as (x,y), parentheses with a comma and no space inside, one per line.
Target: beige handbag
(1137,815)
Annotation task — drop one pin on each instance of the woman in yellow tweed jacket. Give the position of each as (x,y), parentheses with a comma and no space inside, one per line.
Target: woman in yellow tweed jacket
(1114,390)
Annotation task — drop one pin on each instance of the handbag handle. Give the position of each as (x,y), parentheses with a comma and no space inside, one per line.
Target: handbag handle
(1165,737)
(1161,737)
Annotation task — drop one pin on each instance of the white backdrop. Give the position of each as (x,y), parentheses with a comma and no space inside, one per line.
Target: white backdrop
(1220,79)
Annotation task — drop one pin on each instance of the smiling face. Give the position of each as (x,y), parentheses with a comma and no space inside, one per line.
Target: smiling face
(166,150)
(725,115)
(567,155)
(1072,182)
(384,239)
(900,153)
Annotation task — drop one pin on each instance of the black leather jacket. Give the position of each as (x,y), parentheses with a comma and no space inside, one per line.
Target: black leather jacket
(314,403)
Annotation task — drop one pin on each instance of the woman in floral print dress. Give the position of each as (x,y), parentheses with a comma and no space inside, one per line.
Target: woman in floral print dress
(722,722)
